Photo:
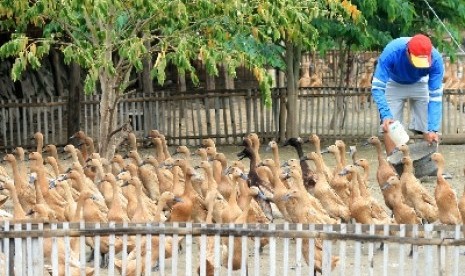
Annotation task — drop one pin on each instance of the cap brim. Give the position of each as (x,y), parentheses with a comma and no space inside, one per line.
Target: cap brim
(420,61)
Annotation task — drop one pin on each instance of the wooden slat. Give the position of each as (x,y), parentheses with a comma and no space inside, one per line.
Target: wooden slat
(68,249)
(124,253)
(148,252)
(342,252)
(386,252)
(428,268)
(311,255)
(371,253)
(256,254)
(286,251)
(272,254)
(29,267)
(401,251)
(97,252)
(54,253)
(230,251)
(174,257)
(217,118)
(327,254)
(203,254)
(358,251)
(82,251)
(298,252)
(248,111)
(442,257)
(161,252)
(217,259)
(415,252)
(457,236)
(38,250)
(244,253)
(188,239)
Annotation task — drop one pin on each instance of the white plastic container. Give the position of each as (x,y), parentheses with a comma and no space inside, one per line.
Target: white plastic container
(398,134)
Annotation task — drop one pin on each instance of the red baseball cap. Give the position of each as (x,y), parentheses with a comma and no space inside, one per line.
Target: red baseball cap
(419,48)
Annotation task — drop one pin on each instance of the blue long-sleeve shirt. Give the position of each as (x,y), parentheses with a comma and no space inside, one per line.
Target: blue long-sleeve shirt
(394,64)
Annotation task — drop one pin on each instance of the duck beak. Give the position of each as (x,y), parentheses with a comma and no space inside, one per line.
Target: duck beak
(244,176)
(286,197)
(268,148)
(30,212)
(125,183)
(52,184)
(326,150)
(366,143)
(62,177)
(178,199)
(344,172)
(304,158)
(261,195)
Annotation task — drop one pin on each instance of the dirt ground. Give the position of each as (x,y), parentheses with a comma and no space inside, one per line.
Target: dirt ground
(397,262)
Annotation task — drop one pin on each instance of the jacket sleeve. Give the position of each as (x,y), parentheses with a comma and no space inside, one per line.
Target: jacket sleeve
(378,87)
(435,87)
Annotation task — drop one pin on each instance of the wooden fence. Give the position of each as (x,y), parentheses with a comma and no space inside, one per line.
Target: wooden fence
(226,116)
(29,249)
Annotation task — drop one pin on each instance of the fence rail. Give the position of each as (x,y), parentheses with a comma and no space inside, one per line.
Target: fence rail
(228,115)
(28,248)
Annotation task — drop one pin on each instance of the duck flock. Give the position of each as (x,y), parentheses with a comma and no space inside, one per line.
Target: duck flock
(209,188)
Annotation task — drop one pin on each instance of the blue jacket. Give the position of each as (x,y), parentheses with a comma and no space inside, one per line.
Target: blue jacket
(394,64)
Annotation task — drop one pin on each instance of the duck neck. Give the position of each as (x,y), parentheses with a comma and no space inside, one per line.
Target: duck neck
(159,153)
(39,196)
(80,158)
(339,164)
(355,188)
(79,208)
(212,185)
(42,179)
(298,148)
(40,145)
(166,152)
(366,173)
(440,165)
(276,159)
(100,171)
(408,168)
(74,156)
(381,159)
(232,200)
(177,186)
(140,203)
(16,174)
(68,195)
(83,150)
(361,184)
(18,211)
(55,168)
(317,144)
(342,156)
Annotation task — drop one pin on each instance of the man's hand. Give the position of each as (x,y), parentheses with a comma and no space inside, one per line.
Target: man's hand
(386,123)
(430,137)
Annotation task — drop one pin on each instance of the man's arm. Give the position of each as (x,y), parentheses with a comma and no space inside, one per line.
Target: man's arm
(435,87)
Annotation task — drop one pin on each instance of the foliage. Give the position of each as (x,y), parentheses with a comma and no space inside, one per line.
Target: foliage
(389,19)
(107,36)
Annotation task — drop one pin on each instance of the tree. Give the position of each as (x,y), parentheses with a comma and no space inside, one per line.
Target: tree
(111,38)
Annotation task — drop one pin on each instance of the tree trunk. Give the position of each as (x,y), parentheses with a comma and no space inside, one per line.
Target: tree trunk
(56,62)
(228,80)
(337,120)
(108,112)
(292,63)
(74,99)
(147,86)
